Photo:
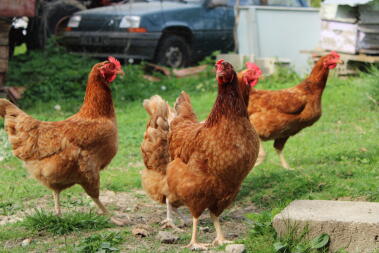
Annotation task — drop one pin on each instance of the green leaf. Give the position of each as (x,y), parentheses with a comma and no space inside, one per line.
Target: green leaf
(300,249)
(105,245)
(320,241)
(279,246)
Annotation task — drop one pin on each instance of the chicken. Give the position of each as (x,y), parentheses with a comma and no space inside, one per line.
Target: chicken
(200,164)
(73,151)
(247,79)
(155,154)
(278,114)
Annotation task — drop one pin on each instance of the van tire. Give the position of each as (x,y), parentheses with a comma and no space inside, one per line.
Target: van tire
(173,51)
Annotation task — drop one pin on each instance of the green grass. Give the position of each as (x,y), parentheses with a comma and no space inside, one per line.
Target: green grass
(42,221)
(336,158)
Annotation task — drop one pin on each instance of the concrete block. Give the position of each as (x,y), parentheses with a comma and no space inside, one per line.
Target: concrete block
(269,65)
(237,60)
(353,226)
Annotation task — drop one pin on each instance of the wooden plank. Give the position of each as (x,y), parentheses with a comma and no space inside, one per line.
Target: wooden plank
(17,8)
(346,57)
(2,80)
(4,40)
(4,52)
(5,26)
(3,65)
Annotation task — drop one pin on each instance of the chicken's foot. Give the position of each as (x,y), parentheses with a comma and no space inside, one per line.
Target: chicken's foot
(194,245)
(279,145)
(261,154)
(169,222)
(57,205)
(220,239)
(283,161)
(104,211)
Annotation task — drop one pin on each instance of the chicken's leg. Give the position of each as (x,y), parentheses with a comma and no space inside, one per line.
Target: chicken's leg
(57,205)
(220,239)
(261,154)
(104,211)
(169,222)
(194,245)
(186,221)
(92,189)
(279,145)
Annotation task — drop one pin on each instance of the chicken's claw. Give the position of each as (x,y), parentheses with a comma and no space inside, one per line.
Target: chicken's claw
(220,242)
(197,246)
(119,222)
(168,223)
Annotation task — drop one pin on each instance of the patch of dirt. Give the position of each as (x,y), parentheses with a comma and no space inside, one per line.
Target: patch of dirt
(140,210)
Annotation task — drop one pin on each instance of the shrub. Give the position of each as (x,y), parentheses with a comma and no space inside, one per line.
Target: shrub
(55,74)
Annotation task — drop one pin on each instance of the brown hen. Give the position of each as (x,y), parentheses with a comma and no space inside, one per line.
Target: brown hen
(278,114)
(73,151)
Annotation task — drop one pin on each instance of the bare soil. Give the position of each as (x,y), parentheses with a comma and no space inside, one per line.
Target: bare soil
(140,211)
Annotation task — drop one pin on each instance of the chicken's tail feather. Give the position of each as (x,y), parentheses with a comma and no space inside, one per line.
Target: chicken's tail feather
(183,107)
(155,143)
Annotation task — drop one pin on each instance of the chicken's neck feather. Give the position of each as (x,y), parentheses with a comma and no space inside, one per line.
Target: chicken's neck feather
(229,103)
(245,89)
(98,99)
(319,75)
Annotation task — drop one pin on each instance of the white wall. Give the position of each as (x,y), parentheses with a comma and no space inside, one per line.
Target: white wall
(279,32)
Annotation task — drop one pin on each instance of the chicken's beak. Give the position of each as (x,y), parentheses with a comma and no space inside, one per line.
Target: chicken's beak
(121,73)
(340,61)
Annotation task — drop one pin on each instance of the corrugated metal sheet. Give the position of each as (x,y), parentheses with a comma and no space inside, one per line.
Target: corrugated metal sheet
(17,8)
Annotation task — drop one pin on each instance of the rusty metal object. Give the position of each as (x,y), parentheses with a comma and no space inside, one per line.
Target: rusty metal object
(17,8)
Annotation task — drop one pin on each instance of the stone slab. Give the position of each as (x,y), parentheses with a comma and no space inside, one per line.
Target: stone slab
(353,226)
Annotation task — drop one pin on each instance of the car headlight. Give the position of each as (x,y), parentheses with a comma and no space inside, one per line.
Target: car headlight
(130,22)
(74,21)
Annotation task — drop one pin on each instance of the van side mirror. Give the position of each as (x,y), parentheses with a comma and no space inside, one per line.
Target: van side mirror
(217,3)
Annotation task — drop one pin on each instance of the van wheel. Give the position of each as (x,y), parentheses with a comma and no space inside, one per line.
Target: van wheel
(58,13)
(51,19)
(173,51)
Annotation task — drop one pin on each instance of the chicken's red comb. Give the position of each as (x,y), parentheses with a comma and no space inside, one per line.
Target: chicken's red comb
(220,61)
(334,54)
(113,60)
(219,66)
(252,66)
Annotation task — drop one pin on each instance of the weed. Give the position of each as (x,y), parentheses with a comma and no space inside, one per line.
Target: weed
(8,208)
(295,240)
(70,222)
(100,243)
